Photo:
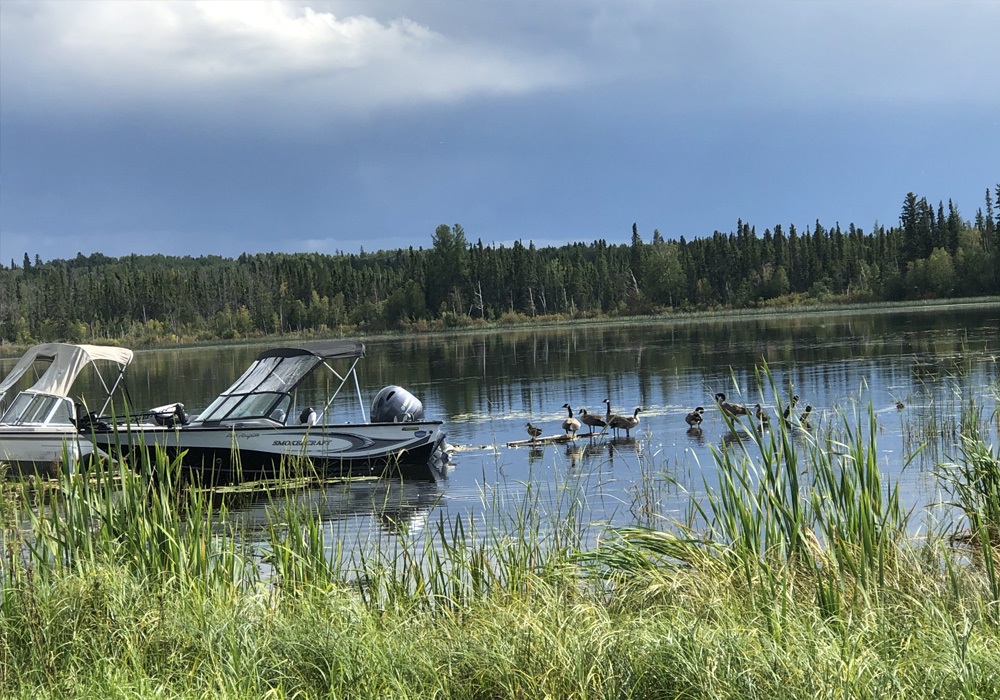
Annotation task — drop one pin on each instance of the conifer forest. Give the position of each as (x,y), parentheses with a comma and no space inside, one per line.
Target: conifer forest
(454,282)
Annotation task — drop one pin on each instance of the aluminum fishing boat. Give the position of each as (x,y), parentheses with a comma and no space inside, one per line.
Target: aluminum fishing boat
(42,428)
(278,419)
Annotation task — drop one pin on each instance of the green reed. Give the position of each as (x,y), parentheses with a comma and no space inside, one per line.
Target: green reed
(788,499)
(973,482)
(110,514)
(296,549)
(506,551)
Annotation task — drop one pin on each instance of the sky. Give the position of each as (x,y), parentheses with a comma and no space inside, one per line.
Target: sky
(227,127)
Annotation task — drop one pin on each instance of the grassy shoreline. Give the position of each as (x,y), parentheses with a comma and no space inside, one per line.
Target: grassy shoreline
(796,577)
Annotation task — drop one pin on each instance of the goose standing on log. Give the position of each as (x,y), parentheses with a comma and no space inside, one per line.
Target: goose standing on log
(571,424)
(626,423)
(733,410)
(608,416)
(612,419)
(593,420)
(694,417)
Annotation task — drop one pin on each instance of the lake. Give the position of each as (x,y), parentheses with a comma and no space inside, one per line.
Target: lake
(487,386)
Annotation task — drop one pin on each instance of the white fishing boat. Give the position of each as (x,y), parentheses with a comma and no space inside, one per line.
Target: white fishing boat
(40,430)
(270,423)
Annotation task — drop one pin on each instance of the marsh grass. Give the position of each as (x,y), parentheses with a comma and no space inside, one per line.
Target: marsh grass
(973,482)
(792,575)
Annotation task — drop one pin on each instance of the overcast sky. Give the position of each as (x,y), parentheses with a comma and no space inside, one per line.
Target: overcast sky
(223,127)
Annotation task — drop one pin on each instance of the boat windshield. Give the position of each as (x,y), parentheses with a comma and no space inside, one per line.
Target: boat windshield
(273,374)
(38,409)
(265,389)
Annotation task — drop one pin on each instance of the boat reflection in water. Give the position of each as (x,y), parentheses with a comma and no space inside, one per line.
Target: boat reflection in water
(397,506)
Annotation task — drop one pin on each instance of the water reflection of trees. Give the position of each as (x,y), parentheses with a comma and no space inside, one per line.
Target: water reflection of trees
(526,357)
(508,364)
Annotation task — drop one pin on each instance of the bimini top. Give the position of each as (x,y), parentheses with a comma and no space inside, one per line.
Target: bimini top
(67,361)
(274,374)
(332,350)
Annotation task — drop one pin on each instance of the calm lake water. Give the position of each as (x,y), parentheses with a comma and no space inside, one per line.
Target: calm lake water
(488,386)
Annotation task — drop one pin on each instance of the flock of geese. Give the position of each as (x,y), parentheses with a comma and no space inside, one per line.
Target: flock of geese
(571,424)
(760,416)
(618,422)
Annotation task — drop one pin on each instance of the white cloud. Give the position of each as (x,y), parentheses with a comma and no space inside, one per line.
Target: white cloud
(276,62)
(101,56)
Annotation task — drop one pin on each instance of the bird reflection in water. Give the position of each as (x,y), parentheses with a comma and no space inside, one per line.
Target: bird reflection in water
(535,453)
(589,452)
(603,453)
(626,445)
(574,453)
(735,437)
(697,434)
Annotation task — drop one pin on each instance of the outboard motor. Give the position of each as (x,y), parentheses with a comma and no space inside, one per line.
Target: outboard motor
(394,404)
(170,415)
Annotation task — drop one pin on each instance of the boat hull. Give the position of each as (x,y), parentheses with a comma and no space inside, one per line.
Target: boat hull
(42,451)
(229,454)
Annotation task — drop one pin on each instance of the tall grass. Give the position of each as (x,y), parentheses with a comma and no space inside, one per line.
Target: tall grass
(505,552)
(973,481)
(138,519)
(790,502)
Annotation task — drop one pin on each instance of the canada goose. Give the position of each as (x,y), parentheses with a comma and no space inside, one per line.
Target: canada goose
(804,418)
(533,431)
(761,415)
(609,417)
(788,410)
(593,420)
(732,410)
(571,424)
(694,417)
(626,423)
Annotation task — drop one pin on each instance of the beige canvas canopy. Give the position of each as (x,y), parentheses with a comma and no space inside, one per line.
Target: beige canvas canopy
(67,361)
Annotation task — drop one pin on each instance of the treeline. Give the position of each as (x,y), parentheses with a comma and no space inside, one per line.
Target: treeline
(932,253)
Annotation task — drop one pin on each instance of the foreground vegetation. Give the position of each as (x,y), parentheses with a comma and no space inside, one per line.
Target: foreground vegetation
(455,283)
(798,575)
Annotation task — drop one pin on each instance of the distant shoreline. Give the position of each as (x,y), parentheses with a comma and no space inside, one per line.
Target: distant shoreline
(480,326)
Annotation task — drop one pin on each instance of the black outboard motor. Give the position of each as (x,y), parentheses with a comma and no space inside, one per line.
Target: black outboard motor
(170,415)
(394,404)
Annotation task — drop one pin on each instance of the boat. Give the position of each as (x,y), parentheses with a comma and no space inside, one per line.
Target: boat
(279,419)
(43,428)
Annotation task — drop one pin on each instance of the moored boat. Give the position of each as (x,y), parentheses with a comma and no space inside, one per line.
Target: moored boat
(43,428)
(277,420)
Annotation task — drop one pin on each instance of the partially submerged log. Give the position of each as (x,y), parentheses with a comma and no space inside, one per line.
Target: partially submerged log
(560,439)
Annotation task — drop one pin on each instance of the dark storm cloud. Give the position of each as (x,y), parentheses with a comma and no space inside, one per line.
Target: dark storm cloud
(223,127)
